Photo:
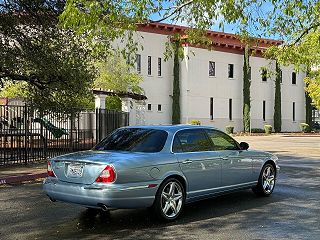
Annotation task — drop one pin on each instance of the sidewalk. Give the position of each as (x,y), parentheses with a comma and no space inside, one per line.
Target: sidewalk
(18,173)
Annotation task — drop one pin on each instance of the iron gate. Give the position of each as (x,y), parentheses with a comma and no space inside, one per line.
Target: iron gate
(27,135)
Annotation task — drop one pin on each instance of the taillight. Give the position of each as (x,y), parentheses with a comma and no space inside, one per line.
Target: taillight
(108,175)
(50,171)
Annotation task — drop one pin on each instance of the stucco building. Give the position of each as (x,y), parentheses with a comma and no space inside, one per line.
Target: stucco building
(211,82)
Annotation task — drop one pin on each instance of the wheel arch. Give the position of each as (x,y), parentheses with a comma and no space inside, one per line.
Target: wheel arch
(180,178)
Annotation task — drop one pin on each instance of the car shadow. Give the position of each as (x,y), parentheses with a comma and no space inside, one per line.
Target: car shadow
(143,220)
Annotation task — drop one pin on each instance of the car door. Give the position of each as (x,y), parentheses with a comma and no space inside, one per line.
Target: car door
(200,165)
(236,168)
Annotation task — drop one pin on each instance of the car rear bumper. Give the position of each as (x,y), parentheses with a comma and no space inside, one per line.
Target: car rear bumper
(111,195)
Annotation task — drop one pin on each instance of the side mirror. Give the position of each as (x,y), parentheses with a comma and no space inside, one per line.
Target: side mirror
(244,146)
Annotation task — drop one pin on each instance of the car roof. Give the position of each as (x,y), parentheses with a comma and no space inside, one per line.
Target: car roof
(171,128)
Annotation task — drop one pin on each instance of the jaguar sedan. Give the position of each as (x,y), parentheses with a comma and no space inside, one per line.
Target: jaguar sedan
(161,167)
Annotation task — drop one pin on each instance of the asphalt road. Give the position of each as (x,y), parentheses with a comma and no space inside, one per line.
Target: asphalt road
(292,212)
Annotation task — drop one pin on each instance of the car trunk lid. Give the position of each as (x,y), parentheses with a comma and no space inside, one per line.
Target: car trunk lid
(81,167)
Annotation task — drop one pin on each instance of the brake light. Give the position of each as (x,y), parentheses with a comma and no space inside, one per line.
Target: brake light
(108,175)
(50,171)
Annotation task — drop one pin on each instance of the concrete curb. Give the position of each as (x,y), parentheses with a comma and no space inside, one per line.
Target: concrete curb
(21,178)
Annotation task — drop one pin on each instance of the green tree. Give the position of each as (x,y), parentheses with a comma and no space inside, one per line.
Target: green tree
(54,64)
(277,100)
(113,103)
(289,20)
(115,74)
(246,89)
(313,87)
(13,90)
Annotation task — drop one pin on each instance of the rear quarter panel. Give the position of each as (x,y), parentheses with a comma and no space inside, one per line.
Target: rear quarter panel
(146,167)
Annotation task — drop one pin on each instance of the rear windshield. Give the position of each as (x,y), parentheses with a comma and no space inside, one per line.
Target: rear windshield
(134,140)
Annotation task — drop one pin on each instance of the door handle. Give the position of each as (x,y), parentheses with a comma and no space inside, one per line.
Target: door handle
(224,158)
(187,161)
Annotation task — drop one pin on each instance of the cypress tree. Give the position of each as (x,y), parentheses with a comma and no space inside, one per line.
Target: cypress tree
(277,100)
(308,105)
(176,85)
(246,90)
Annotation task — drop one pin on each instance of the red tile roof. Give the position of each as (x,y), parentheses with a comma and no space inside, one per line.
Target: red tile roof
(226,42)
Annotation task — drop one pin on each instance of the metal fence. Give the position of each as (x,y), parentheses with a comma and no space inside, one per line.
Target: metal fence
(27,135)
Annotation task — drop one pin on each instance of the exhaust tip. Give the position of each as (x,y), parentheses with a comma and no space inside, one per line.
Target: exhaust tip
(52,200)
(103,207)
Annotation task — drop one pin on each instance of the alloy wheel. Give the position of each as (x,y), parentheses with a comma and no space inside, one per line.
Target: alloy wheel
(171,199)
(268,178)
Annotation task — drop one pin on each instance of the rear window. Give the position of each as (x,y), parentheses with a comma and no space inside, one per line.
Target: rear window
(134,140)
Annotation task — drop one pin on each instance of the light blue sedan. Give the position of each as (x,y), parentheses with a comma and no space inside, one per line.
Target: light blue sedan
(162,167)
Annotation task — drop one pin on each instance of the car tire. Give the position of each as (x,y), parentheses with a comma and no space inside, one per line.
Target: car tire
(266,182)
(170,200)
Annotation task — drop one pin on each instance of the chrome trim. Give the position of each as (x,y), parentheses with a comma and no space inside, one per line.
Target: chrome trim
(93,188)
(84,162)
(116,189)
(235,185)
(133,188)
(187,161)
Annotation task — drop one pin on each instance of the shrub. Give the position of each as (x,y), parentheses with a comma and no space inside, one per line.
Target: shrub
(305,127)
(195,122)
(229,129)
(257,130)
(268,129)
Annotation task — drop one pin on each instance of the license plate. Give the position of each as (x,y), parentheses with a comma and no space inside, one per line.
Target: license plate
(75,170)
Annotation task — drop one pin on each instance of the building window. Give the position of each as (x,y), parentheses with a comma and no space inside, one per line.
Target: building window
(159,107)
(138,62)
(230,109)
(149,107)
(264,111)
(294,78)
(159,67)
(211,108)
(264,75)
(230,70)
(149,65)
(293,111)
(212,69)
(249,73)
